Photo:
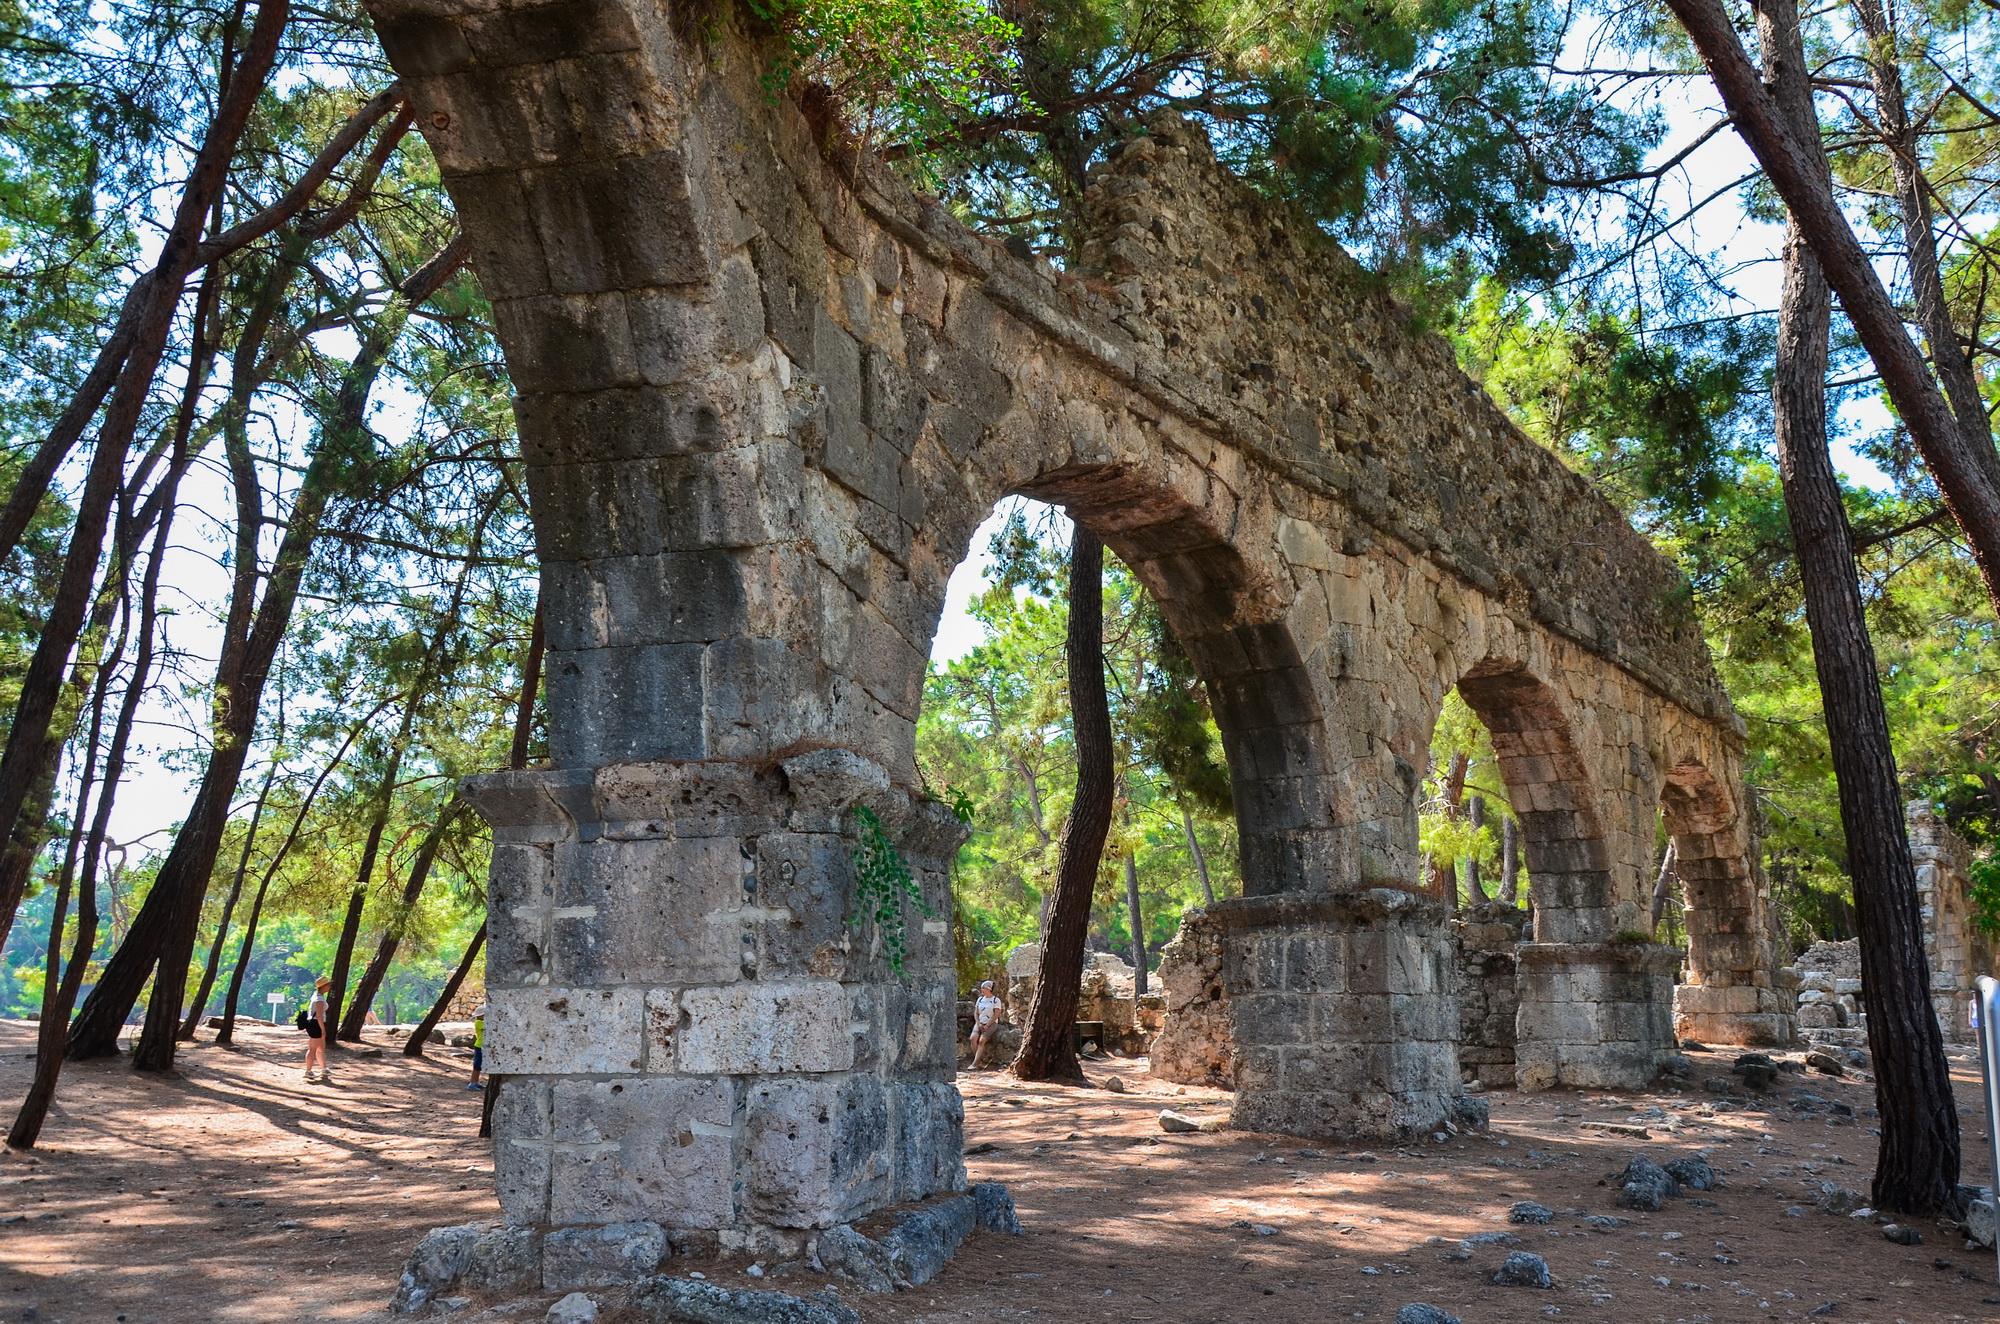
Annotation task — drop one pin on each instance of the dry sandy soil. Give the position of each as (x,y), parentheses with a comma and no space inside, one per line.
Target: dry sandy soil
(238,1193)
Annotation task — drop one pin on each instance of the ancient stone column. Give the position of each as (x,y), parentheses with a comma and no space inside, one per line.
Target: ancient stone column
(688,1025)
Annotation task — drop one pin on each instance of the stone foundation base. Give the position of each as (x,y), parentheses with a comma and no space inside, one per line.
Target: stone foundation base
(1594,1015)
(1343,1020)
(1743,1014)
(523,1259)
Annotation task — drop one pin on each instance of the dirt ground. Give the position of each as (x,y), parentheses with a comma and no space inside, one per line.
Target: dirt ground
(239,1193)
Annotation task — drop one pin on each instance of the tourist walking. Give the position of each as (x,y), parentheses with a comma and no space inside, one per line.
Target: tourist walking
(985,1021)
(478,1045)
(317,1031)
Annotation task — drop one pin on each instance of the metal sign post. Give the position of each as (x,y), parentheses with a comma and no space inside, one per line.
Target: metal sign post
(274,999)
(1986,1014)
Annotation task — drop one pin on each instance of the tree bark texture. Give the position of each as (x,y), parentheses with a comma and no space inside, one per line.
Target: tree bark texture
(1793,158)
(392,936)
(1917,1163)
(1048,1048)
(1200,862)
(418,1037)
(25,759)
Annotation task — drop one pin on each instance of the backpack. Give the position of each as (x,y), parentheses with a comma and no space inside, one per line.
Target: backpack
(305,1020)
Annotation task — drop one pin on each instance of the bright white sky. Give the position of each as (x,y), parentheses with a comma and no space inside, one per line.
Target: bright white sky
(159,787)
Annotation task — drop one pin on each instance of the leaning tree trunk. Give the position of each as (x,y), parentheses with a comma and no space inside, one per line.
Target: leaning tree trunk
(1200,862)
(1510,862)
(26,759)
(1917,1163)
(415,1047)
(1793,156)
(392,936)
(1475,892)
(1048,1048)
(53,1041)
(199,1002)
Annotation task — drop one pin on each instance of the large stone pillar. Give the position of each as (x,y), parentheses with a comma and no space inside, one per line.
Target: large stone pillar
(1593,1015)
(690,1022)
(1342,1018)
(1736,991)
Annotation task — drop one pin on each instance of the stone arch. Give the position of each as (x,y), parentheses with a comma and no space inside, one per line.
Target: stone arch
(1569,868)
(1732,993)
(764,395)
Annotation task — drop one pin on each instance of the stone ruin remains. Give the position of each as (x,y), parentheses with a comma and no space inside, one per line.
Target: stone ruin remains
(766,395)
(1833,1002)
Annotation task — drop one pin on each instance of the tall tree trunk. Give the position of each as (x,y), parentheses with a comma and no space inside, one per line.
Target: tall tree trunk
(1048,1048)
(1444,873)
(1476,815)
(1138,926)
(1200,862)
(1663,882)
(392,936)
(531,680)
(199,1003)
(415,1047)
(54,1032)
(1917,1164)
(1510,861)
(27,760)
(1793,157)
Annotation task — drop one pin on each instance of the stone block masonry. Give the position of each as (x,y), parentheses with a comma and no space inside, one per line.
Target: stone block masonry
(765,397)
(691,1029)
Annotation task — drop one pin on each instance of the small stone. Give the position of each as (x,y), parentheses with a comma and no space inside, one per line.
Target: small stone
(755,1270)
(1840,1200)
(665,1298)
(1527,1211)
(1174,1123)
(1826,1063)
(1371,1271)
(576,1308)
(1694,1046)
(1903,1235)
(1719,1085)
(1645,1185)
(1419,1313)
(1796,1211)
(1691,1172)
(1116,1084)
(1521,1269)
(1264,1229)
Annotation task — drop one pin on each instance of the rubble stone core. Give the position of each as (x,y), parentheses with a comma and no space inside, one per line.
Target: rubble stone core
(765,398)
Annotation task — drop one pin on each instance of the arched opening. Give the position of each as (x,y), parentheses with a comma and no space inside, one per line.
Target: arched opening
(1730,993)
(995,737)
(1589,993)
(1549,791)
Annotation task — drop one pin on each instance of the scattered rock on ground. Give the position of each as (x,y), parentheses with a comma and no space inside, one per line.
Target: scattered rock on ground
(1527,1211)
(1418,1313)
(1115,1084)
(683,1301)
(576,1308)
(1826,1063)
(1174,1123)
(1523,1270)
(1645,1185)
(1836,1199)
(1903,1234)
(1691,1172)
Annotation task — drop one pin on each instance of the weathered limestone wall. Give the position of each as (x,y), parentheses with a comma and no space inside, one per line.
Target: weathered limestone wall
(1489,996)
(687,1027)
(766,396)
(1833,1003)
(1957,951)
(1196,1045)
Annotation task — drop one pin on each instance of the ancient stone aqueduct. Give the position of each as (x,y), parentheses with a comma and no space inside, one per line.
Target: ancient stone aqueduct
(765,397)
